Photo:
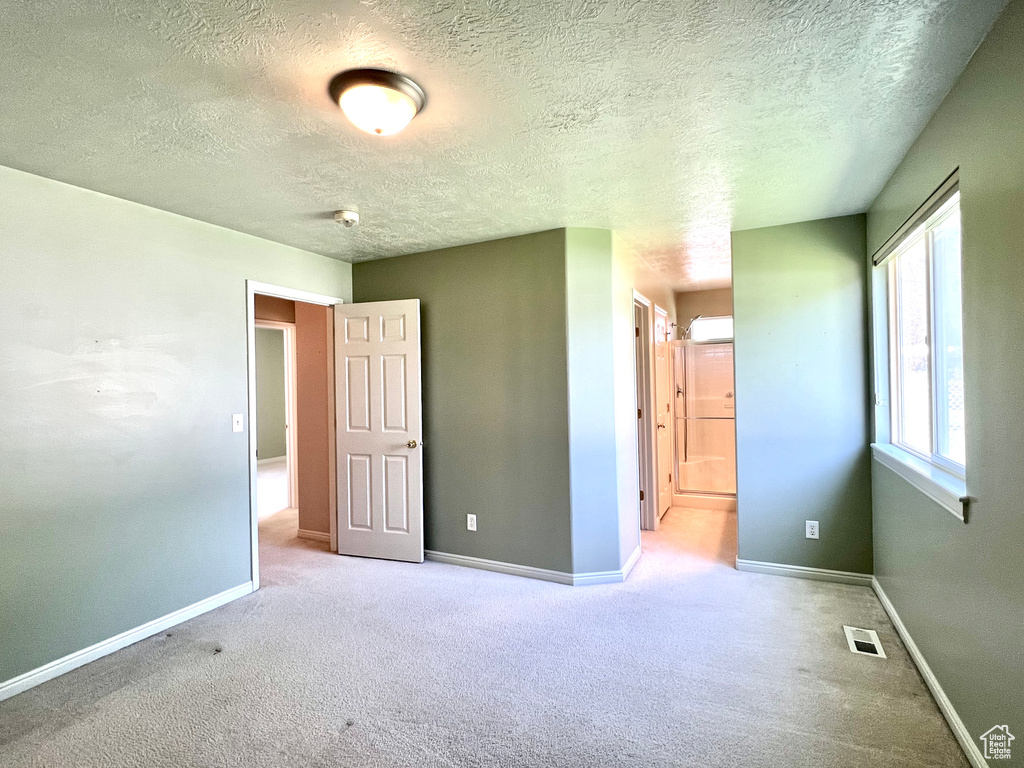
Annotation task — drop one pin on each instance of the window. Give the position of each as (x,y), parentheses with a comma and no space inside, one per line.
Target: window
(926,371)
(710,328)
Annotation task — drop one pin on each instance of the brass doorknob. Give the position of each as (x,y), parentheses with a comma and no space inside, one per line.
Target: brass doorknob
(412,444)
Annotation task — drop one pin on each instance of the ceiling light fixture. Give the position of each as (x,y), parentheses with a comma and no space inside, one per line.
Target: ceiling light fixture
(377,101)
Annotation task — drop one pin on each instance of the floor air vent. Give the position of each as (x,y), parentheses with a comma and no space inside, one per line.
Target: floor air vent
(864,641)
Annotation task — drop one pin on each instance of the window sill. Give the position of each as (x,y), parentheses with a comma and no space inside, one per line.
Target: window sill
(946,489)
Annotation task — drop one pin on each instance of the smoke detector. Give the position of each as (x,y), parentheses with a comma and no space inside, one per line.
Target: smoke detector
(347,218)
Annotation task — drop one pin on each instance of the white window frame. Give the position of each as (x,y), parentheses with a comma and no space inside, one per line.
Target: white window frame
(938,417)
(937,476)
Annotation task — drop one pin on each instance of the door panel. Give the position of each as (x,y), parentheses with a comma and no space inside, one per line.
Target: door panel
(359,492)
(663,409)
(357,382)
(379,414)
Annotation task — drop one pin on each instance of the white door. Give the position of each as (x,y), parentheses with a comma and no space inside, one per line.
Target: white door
(379,412)
(663,408)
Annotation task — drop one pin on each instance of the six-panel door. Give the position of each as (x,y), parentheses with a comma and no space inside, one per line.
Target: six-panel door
(380,458)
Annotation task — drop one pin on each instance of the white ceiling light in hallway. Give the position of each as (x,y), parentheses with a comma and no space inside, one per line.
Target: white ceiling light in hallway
(376,100)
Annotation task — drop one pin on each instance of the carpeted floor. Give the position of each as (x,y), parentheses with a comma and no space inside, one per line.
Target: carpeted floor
(346,662)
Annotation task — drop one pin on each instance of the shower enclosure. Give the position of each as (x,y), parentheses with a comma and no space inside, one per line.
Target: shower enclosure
(705,417)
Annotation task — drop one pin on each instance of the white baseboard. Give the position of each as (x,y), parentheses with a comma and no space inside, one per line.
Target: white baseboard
(103,648)
(278,459)
(704,501)
(529,572)
(803,572)
(630,562)
(314,535)
(969,746)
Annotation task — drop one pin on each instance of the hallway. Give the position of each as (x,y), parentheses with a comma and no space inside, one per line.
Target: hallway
(702,538)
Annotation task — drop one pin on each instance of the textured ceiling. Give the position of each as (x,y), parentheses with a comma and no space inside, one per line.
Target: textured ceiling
(672,121)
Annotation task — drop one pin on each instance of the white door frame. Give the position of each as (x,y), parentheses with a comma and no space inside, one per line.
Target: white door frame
(253,287)
(291,407)
(659,454)
(646,437)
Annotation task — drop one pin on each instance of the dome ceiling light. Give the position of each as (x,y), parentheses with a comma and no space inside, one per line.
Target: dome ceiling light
(377,101)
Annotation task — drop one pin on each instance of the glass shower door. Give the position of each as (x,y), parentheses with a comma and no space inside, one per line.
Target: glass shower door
(705,418)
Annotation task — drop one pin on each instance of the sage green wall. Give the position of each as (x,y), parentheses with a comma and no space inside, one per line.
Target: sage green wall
(960,588)
(799,303)
(495,405)
(271,406)
(124,493)
(593,460)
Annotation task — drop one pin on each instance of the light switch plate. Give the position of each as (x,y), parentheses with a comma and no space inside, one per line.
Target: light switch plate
(237,422)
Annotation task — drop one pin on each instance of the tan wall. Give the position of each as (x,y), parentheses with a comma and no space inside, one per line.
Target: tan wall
(314,345)
(690,304)
(273,308)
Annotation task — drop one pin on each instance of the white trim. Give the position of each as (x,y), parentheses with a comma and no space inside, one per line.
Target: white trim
(293,294)
(105,647)
(264,462)
(803,572)
(631,561)
(647,449)
(314,535)
(529,572)
(252,287)
(963,736)
(945,489)
(704,501)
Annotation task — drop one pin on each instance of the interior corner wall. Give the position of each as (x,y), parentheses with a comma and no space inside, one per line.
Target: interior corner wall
(799,305)
(959,589)
(495,410)
(271,403)
(590,316)
(314,362)
(125,494)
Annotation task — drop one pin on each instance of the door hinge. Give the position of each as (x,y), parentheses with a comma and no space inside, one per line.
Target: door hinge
(638,333)
(641,495)
(670,477)
(639,413)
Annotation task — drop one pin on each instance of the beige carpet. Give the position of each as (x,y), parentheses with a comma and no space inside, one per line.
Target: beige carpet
(346,662)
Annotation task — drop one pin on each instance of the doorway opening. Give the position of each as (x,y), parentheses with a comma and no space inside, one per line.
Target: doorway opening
(694,438)
(290,336)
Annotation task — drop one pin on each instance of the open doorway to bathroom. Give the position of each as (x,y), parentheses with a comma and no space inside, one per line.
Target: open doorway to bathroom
(703,514)
(692,437)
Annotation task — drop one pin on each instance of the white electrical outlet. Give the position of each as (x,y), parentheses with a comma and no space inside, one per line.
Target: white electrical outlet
(811,529)
(470,522)
(237,422)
